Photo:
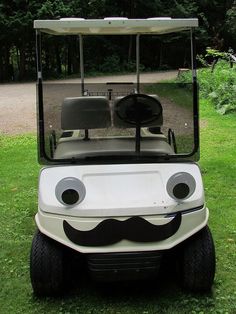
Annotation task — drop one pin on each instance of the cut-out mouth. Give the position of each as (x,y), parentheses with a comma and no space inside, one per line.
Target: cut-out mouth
(111,231)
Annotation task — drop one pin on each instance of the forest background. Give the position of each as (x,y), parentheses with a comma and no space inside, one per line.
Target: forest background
(217,30)
(17,37)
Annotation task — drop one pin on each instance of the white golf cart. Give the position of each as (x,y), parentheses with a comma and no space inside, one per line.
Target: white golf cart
(121,186)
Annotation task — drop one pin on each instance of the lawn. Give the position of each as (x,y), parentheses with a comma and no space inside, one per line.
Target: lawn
(18,204)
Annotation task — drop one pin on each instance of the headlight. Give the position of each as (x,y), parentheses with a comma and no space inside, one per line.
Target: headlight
(181,186)
(70,191)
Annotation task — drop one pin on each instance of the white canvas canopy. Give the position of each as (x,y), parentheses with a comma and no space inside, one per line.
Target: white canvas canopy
(114,26)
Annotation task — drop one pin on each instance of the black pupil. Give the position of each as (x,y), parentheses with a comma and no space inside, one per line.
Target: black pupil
(70,196)
(181,190)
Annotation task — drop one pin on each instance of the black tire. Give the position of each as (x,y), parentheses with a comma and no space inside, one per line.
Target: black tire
(46,266)
(197,262)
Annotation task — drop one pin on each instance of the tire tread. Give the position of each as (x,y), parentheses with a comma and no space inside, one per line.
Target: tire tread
(46,266)
(198,262)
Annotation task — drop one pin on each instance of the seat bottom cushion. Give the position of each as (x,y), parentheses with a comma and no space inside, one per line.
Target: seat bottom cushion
(78,148)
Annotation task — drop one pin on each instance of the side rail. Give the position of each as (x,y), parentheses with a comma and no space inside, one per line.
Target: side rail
(52,143)
(115,89)
(172,140)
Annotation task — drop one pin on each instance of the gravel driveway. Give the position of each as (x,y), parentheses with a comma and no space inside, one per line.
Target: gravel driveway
(17,101)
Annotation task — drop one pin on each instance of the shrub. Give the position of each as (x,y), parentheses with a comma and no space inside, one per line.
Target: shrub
(130,66)
(110,64)
(219,86)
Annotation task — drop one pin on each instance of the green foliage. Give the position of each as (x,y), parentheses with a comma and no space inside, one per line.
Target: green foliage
(51,9)
(130,66)
(231,21)
(210,52)
(218,86)
(17,38)
(201,59)
(110,64)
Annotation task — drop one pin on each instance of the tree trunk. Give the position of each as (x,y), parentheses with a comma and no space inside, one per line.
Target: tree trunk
(6,63)
(18,62)
(131,14)
(46,69)
(69,53)
(22,64)
(74,54)
(1,68)
(130,47)
(58,59)
(161,55)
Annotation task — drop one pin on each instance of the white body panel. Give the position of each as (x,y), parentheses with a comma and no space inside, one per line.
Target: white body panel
(119,190)
(52,226)
(113,26)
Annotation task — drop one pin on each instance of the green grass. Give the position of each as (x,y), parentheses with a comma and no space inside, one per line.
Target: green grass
(219,85)
(18,204)
(180,94)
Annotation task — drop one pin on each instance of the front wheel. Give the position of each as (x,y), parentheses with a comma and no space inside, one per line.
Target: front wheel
(197,262)
(46,266)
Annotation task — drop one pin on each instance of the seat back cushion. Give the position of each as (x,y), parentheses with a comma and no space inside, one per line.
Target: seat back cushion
(89,112)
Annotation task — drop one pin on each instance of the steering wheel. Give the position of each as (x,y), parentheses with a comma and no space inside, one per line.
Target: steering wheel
(138,109)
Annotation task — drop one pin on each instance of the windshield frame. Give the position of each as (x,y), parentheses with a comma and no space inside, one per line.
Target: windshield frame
(111,158)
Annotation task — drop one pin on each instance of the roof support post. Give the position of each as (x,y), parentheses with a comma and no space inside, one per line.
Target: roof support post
(38,56)
(40,115)
(81,53)
(138,61)
(195,92)
(193,55)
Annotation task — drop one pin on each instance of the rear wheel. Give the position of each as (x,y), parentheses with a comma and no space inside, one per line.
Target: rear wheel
(46,266)
(197,262)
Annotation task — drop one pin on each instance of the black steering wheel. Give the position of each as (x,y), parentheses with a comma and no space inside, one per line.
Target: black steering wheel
(138,109)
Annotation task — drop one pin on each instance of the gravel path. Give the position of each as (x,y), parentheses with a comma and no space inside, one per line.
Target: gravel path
(17,101)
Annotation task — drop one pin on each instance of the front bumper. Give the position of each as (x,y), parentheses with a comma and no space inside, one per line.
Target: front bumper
(52,226)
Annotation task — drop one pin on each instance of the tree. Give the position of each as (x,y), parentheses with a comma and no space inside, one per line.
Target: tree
(17,37)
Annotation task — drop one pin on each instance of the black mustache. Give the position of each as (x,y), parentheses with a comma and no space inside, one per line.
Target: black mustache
(111,231)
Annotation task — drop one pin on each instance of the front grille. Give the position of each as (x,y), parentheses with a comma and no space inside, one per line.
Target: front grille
(123,266)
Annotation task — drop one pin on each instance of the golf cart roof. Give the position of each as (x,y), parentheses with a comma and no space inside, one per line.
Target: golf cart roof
(114,26)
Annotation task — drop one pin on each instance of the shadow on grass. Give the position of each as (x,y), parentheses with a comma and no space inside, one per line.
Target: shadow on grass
(160,294)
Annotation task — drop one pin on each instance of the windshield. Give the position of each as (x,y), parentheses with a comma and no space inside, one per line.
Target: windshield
(146,117)
(114,119)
